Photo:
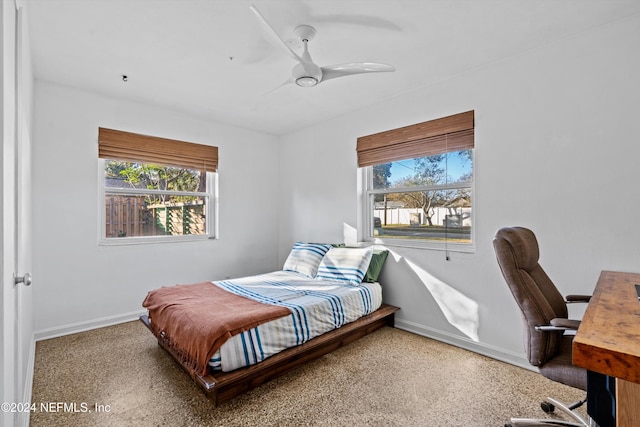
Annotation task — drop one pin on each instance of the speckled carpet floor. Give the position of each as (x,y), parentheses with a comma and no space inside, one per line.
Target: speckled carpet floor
(388,378)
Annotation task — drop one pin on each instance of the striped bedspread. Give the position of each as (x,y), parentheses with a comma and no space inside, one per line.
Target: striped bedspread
(317,306)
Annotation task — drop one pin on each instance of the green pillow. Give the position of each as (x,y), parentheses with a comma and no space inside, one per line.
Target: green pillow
(375,267)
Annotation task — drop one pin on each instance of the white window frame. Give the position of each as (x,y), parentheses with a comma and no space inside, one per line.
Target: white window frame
(368,210)
(211,220)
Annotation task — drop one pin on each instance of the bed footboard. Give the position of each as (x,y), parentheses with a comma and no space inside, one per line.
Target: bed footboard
(223,386)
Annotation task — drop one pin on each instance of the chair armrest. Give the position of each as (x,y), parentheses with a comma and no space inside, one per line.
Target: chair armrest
(559,324)
(549,328)
(566,323)
(577,298)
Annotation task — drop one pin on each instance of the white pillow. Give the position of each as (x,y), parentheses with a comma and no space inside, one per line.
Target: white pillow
(347,265)
(304,258)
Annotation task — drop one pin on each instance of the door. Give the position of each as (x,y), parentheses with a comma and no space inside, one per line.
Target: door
(16,321)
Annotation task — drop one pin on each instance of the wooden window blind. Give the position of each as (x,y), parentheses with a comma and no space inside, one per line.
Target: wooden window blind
(133,147)
(451,133)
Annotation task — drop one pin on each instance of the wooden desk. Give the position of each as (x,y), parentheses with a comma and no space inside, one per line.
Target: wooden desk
(608,340)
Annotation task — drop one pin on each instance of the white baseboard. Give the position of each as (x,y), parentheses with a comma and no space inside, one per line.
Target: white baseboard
(73,328)
(497,353)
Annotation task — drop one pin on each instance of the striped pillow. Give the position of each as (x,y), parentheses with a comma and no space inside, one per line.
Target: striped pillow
(347,265)
(304,258)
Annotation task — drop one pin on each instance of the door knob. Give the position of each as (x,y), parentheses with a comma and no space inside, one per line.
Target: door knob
(26,279)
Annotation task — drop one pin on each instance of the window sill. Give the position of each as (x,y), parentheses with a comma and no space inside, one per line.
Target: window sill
(124,241)
(424,245)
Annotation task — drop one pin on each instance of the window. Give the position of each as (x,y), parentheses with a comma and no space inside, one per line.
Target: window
(419,184)
(156,189)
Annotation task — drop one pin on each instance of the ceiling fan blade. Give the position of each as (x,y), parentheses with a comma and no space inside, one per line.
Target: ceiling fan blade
(275,40)
(272,36)
(341,70)
(285,83)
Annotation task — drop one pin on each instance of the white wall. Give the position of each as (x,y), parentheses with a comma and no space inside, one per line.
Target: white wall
(81,284)
(555,126)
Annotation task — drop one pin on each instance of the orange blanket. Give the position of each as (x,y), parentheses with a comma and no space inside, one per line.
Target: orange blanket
(195,320)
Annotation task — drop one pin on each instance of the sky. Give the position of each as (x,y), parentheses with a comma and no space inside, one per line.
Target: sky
(457,166)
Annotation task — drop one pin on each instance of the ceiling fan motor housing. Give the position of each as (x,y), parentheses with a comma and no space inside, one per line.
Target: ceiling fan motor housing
(305,79)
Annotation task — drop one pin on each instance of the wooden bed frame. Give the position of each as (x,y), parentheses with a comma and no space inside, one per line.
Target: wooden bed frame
(223,386)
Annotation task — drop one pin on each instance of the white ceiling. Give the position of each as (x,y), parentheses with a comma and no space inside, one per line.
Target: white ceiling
(208,57)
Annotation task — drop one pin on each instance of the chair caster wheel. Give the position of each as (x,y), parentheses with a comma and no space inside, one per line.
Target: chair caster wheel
(547,407)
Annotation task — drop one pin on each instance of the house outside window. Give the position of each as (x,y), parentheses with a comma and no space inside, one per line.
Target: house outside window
(418,184)
(156,190)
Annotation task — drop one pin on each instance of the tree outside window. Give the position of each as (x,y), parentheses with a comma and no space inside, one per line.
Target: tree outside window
(425,198)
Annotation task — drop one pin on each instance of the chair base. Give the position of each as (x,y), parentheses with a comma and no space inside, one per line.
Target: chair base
(578,420)
(531,422)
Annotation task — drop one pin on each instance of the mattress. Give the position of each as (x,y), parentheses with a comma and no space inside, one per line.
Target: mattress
(317,306)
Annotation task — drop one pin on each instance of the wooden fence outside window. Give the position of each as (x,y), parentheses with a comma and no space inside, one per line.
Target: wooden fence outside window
(128,216)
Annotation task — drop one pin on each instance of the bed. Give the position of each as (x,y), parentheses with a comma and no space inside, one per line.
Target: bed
(233,335)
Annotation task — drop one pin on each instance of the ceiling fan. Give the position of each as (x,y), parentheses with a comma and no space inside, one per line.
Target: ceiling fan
(306,73)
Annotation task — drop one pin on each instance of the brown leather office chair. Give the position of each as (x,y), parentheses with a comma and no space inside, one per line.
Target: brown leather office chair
(545,316)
